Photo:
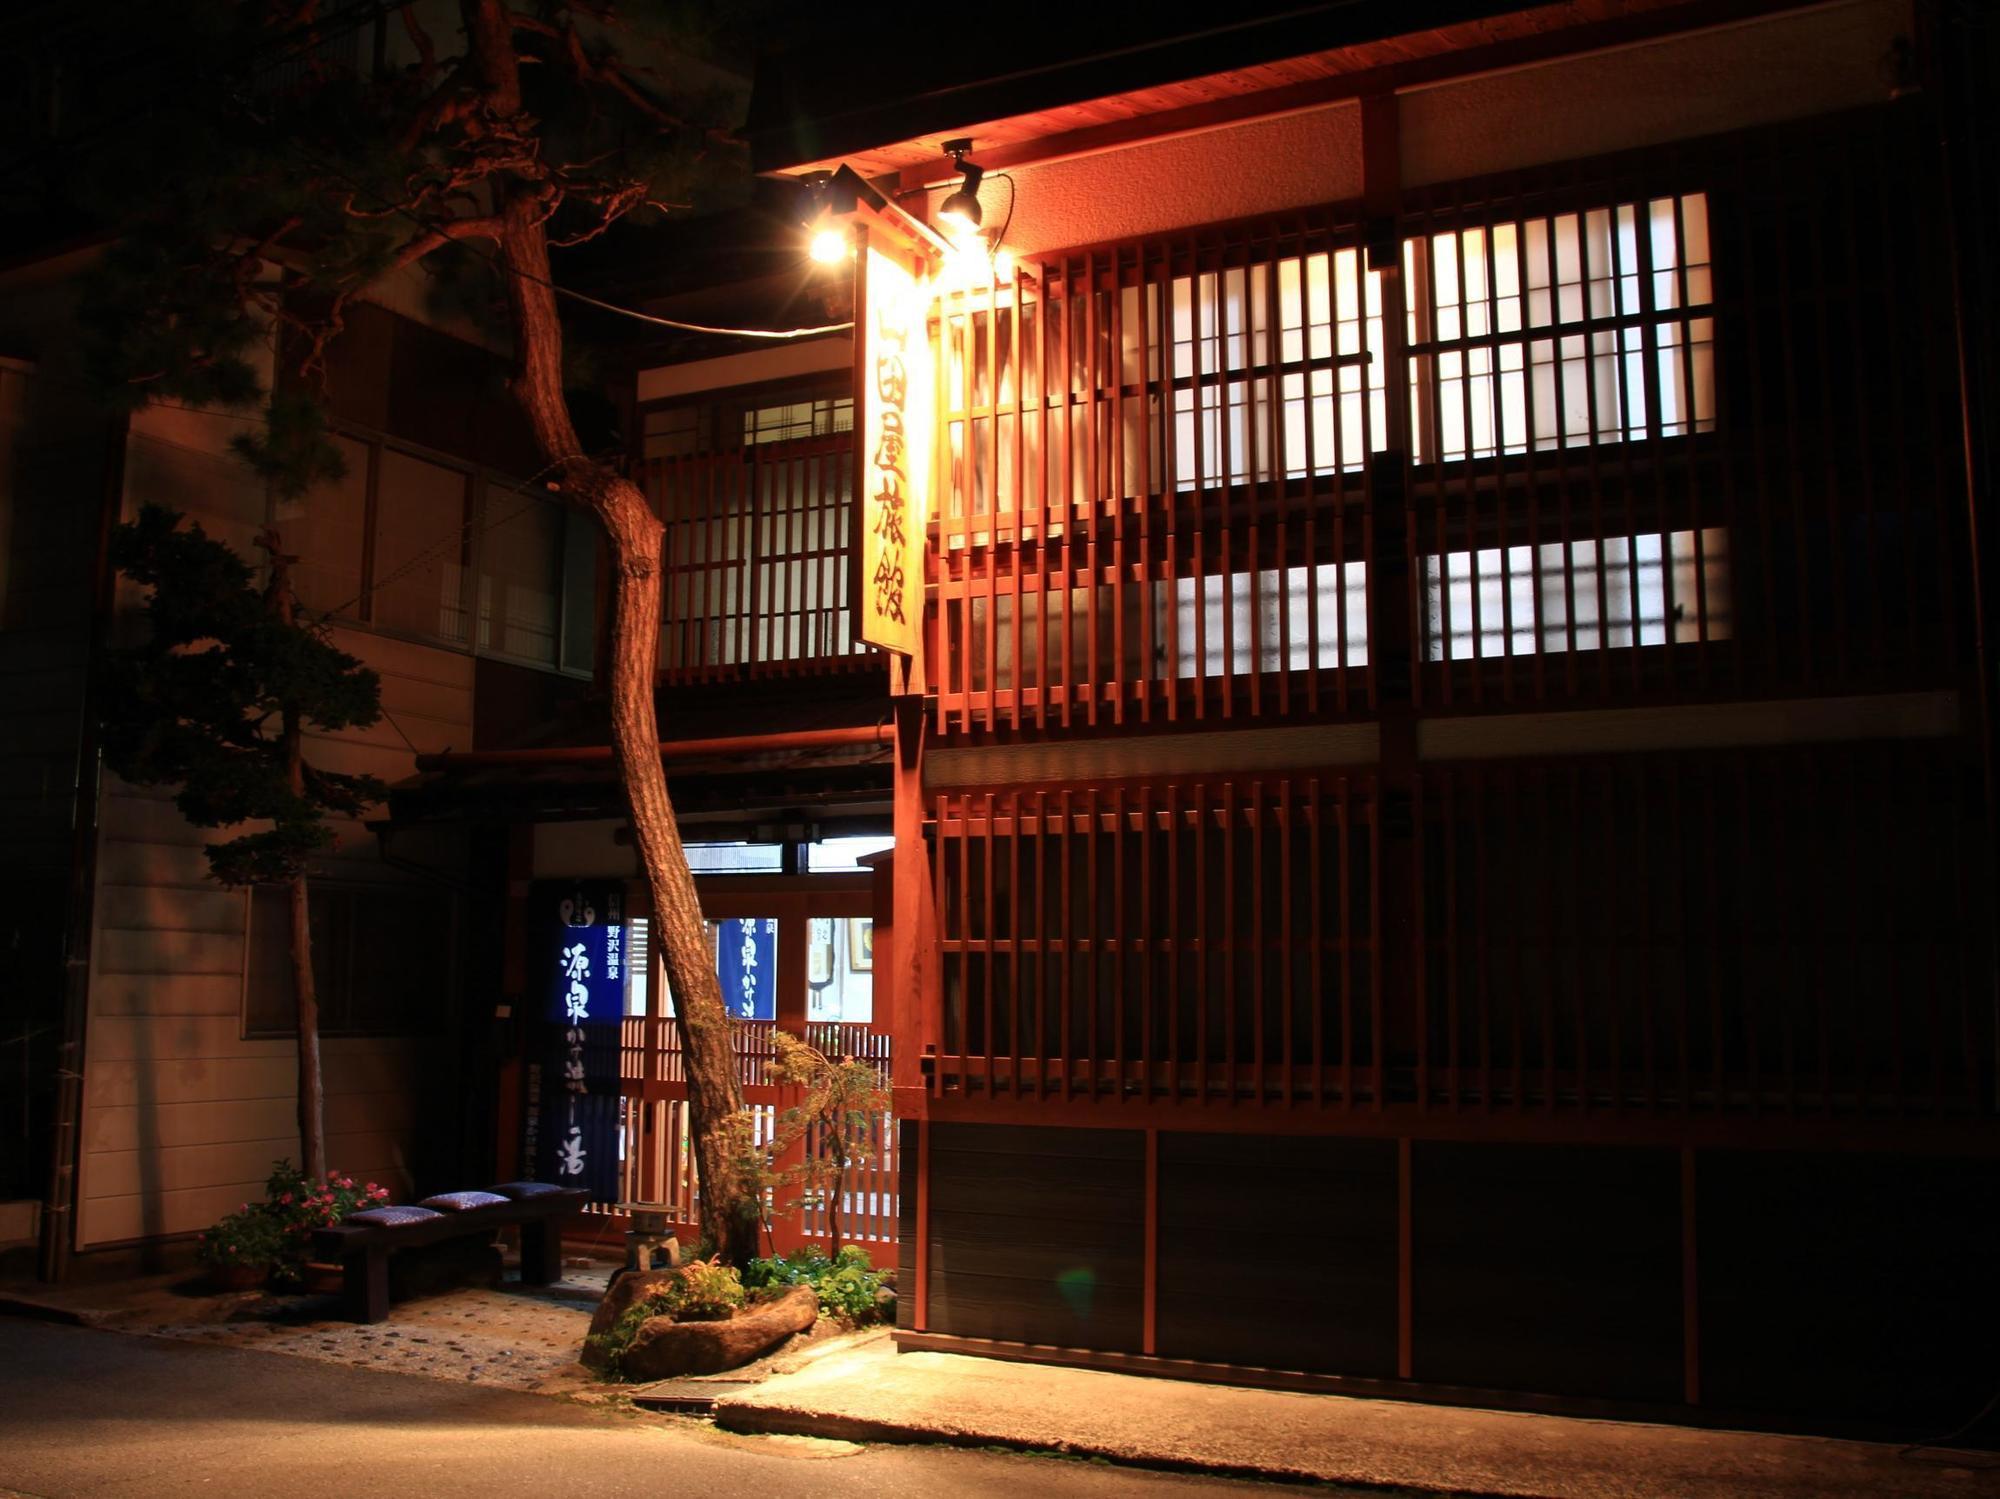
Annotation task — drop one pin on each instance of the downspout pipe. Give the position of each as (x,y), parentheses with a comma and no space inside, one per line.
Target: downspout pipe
(670,749)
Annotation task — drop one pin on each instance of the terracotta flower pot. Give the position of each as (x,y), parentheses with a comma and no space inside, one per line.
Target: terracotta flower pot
(318,1279)
(237,1277)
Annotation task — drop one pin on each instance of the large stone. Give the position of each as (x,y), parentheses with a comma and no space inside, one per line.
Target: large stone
(627,1287)
(665,1349)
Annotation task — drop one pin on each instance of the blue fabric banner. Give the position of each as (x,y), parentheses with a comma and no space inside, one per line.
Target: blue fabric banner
(746,964)
(589,982)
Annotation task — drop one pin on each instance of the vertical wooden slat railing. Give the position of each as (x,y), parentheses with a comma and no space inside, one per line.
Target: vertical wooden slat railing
(757,556)
(1678,435)
(1668,974)
(1665,422)
(1592,938)
(1150,457)
(1058,941)
(658,1162)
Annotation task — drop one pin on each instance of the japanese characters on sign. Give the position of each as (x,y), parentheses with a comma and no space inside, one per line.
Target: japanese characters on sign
(590,976)
(746,955)
(894,458)
(588,993)
(575,975)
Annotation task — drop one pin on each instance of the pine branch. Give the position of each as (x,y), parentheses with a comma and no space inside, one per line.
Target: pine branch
(427,57)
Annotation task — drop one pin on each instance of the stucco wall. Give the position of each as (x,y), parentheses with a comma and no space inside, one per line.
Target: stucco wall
(1783,67)
(182,1114)
(810,356)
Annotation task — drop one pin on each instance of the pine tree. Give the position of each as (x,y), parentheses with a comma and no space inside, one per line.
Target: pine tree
(244,209)
(215,702)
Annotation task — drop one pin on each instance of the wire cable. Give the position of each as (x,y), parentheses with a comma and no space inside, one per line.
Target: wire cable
(434,226)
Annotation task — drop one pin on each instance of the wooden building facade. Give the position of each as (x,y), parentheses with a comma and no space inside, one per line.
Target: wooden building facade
(1443,839)
(1440,829)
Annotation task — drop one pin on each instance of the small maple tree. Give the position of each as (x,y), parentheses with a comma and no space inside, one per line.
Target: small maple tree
(835,1122)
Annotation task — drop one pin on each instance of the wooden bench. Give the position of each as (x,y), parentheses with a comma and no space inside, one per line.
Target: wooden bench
(362,1250)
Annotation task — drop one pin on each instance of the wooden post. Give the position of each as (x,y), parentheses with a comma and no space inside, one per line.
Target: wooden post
(1406,1300)
(1690,1285)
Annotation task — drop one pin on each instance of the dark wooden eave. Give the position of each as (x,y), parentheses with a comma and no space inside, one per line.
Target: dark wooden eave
(871,112)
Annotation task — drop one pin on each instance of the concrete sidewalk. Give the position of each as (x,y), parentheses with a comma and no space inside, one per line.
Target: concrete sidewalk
(871,1393)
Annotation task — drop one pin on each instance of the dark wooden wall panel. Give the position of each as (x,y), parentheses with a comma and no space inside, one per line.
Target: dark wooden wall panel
(1548,1268)
(1848,1285)
(906,1222)
(1279,1252)
(1038,1235)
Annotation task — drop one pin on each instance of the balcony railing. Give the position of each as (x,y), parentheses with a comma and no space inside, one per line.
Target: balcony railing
(1621,431)
(757,574)
(1794,933)
(658,1163)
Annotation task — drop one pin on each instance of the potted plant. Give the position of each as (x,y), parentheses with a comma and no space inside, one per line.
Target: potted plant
(240,1251)
(271,1239)
(297,1205)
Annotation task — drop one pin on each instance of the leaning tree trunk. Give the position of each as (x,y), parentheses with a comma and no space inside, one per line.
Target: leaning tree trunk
(730,1194)
(305,995)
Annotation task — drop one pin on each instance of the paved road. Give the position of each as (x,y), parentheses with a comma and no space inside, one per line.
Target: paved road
(104,1414)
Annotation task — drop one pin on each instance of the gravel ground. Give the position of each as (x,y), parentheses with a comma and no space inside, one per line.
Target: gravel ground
(514,1338)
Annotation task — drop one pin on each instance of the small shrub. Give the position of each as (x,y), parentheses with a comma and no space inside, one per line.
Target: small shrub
(248,1236)
(298,1205)
(706,1291)
(846,1284)
(276,1234)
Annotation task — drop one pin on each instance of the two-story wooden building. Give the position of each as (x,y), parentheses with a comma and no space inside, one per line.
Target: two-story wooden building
(1441,801)
(1434,834)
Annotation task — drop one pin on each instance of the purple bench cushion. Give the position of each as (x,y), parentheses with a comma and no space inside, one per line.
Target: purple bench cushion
(458,1202)
(518,1190)
(391,1217)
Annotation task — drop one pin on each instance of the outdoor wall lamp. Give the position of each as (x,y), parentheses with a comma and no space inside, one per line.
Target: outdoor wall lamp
(830,245)
(960,214)
(828,241)
(839,200)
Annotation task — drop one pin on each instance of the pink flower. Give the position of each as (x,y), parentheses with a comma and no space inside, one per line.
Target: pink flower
(373,1188)
(286,1199)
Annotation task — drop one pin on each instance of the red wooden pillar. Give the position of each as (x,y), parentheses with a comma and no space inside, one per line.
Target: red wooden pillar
(907,980)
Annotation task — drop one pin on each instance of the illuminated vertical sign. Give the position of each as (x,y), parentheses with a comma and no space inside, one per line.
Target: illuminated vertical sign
(899,399)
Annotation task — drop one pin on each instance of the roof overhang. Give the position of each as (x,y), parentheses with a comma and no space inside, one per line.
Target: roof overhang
(1274,67)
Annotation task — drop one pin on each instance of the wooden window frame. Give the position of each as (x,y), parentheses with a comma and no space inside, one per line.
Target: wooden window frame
(482,486)
(454,919)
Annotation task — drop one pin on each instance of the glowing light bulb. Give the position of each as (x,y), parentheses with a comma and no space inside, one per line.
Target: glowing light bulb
(829,245)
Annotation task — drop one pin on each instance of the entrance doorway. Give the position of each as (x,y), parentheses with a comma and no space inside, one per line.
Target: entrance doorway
(792,953)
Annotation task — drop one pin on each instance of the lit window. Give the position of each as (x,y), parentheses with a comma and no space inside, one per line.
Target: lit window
(823,416)
(1553,332)
(1582,596)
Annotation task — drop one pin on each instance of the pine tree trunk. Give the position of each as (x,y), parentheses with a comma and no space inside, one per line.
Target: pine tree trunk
(305,994)
(633,534)
(312,1097)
